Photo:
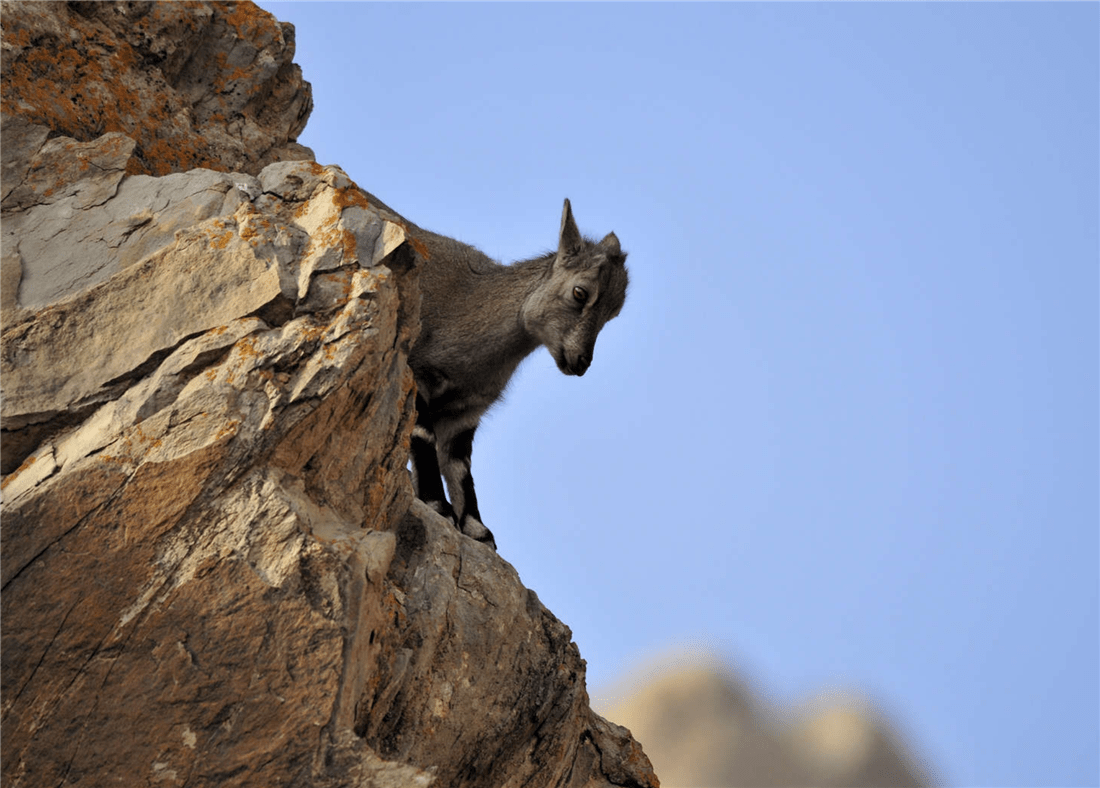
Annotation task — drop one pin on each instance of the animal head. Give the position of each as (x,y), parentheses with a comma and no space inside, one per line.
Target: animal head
(585,286)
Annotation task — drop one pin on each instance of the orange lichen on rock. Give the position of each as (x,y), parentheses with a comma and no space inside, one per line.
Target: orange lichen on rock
(26,464)
(250,22)
(255,227)
(419,246)
(221,240)
(229,430)
(350,196)
(246,348)
(349,245)
(104,74)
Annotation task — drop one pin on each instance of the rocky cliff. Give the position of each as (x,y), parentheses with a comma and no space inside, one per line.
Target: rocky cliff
(214,571)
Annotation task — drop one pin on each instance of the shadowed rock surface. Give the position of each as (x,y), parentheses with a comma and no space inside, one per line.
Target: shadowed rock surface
(214,572)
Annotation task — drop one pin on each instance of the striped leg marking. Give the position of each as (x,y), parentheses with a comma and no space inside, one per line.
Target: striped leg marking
(460,484)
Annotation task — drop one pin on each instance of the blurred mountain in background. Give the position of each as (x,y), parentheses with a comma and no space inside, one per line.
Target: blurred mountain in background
(704,727)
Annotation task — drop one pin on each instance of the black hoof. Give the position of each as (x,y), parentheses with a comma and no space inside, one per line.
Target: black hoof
(476,530)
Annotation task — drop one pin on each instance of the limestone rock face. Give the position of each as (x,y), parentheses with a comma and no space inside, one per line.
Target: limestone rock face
(193,84)
(213,569)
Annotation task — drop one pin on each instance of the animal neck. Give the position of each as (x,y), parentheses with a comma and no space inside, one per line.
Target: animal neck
(507,288)
(473,330)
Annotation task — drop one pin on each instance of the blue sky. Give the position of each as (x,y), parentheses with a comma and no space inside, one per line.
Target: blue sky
(845,429)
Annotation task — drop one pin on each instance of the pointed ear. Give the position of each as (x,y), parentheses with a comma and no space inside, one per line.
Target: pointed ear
(610,246)
(569,240)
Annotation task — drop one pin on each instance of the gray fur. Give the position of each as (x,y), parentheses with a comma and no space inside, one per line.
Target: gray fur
(480,319)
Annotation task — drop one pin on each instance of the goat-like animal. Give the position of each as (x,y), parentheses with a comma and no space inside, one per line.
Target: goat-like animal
(479,320)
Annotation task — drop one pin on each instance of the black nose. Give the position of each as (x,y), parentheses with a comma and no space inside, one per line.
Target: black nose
(582,365)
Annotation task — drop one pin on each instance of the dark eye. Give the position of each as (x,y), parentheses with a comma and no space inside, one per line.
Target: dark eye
(580,294)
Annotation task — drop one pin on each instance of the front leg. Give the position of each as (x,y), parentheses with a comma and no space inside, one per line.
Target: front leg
(454,455)
(425,467)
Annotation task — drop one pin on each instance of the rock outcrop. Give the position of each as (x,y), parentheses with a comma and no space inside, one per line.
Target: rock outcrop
(704,727)
(208,85)
(214,571)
